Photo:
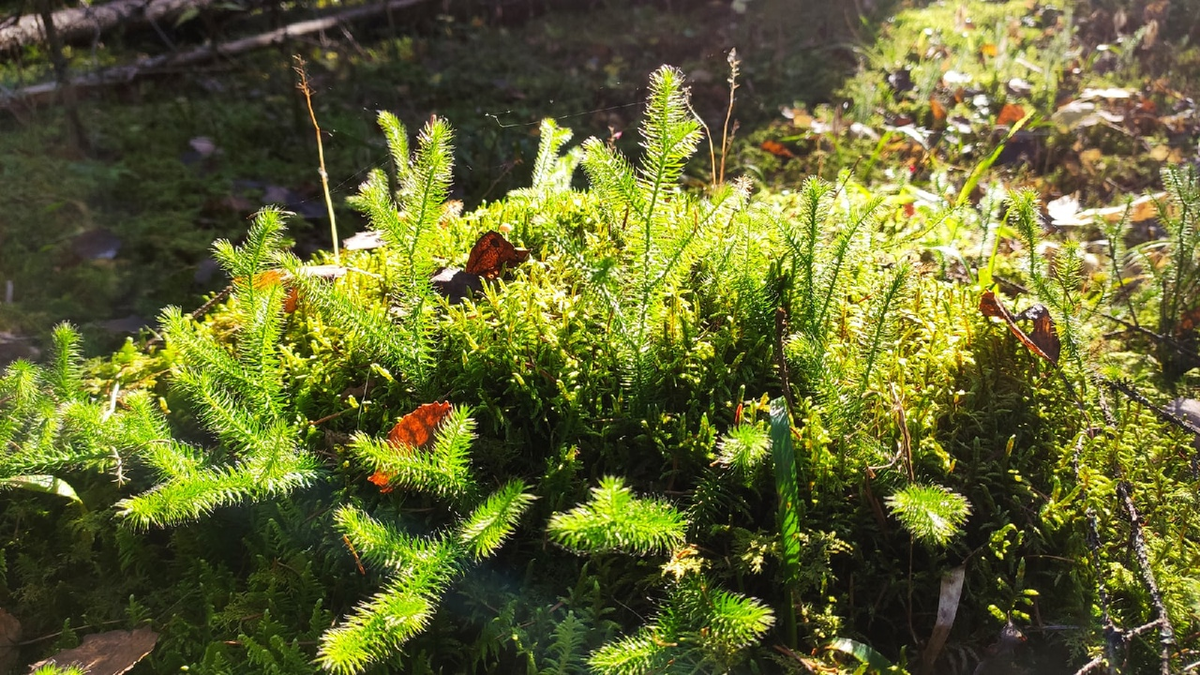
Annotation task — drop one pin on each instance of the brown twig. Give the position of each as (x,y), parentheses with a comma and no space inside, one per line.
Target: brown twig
(1163,339)
(1092,537)
(781,361)
(357,560)
(1123,636)
(1128,390)
(1166,632)
(198,312)
(298,66)
(726,136)
(318,422)
(167,62)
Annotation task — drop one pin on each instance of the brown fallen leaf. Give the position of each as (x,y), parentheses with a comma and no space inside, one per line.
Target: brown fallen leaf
(111,653)
(776,148)
(1044,339)
(491,255)
(1010,114)
(938,110)
(1045,334)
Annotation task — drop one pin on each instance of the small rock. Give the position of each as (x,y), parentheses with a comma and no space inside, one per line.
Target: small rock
(13,347)
(129,324)
(363,240)
(97,244)
(1187,409)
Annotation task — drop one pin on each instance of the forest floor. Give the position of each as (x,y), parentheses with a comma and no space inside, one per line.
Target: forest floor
(932,108)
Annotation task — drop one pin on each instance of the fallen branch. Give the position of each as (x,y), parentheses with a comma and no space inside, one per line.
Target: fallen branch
(1163,414)
(166,62)
(1166,632)
(78,23)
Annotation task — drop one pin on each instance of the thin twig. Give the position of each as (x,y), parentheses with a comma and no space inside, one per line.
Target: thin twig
(1092,537)
(51,636)
(1164,339)
(307,91)
(318,422)
(1091,665)
(712,153)
(198,312)
(905,449)
(781,318)
(1166,632)
(1181,422)
(726,137)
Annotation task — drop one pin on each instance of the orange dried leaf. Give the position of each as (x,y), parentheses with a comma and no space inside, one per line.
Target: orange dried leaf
(382,479)
(1045,334)
(938,110)
(991,307)
(291,300)
(269,278)
(492,253)
(1044,340)
(416,429)
(265,279)
(778,149)
(1010,114)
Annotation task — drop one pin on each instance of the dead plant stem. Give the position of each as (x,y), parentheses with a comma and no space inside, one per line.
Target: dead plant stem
(726,139)
(307,91)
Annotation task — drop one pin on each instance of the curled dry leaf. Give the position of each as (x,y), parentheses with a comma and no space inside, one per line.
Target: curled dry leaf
(778,149)
(414,431)
(948,601)
(492,253)
(270,278)
(1043,341)
(1010,114)
(1045,334)
(490,256)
